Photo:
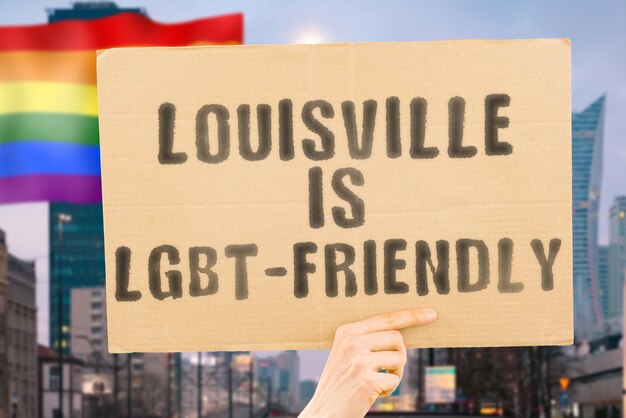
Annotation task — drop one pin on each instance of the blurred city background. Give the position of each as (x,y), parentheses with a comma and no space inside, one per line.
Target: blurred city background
(51,233)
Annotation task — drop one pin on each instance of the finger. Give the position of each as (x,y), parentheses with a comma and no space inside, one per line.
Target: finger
(391,361)
(386,383)
(393,320)
(390,340)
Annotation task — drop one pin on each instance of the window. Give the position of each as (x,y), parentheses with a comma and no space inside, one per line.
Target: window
(96,306)
(96,330)
(54,378)
(284,380)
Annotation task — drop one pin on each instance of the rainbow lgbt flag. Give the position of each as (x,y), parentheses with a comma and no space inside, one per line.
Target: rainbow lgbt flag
(49,145)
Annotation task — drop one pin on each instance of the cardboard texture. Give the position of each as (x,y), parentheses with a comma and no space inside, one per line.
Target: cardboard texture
(230,227)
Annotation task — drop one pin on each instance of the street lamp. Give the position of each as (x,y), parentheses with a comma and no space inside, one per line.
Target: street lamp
(62,219)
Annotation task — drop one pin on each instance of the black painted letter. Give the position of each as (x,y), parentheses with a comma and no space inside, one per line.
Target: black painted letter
(419,108)
(203,147)
(122,277)
(195,288)
(463,261)
(364,149)
(326,136)
(264,123)
(493,122)
(505,263)
(357,205)
(394,144)
(456,122)
(332,268)
(392,264)
(240,253)
(316,198)
(174,277)
(167,124)
(440,274)
(285,129)
(302,268)
(547,276)
(369,267)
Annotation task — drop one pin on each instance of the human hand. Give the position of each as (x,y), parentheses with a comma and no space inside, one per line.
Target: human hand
(351,380)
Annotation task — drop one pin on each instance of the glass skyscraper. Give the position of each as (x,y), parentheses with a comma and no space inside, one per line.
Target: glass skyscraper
(587,138)
(617,257)
(79,260)
(604,280)
(89,10)
(76,257)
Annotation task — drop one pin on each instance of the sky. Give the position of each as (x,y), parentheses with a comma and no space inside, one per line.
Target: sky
(596,28)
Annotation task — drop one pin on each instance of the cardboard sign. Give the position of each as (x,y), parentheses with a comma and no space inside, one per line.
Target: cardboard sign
(258,197)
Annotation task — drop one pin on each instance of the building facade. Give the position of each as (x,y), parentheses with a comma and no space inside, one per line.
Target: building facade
(149,383)
(88,343)
(280,376)
(617,257)
(89,10)
(307,390)
(604,279)
(595,388)
(587,140)
(88,317)
(22,337)
(49,385)
(215,393)
(18,335)
(4,306)
(76,261)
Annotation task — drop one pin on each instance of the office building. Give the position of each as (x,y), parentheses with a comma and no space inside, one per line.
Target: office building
(617,257)
(587,139)
(89,329)
(604,280)
(22,338)
(280,378)
(89,10)
(76,261)
(18,335)
(596,373)
(4,305)
(307,390)
(89,343)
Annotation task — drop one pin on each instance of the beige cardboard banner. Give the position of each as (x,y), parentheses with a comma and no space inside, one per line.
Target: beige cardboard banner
(257,197)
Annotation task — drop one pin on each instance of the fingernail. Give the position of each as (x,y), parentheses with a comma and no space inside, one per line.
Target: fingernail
(429,314)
